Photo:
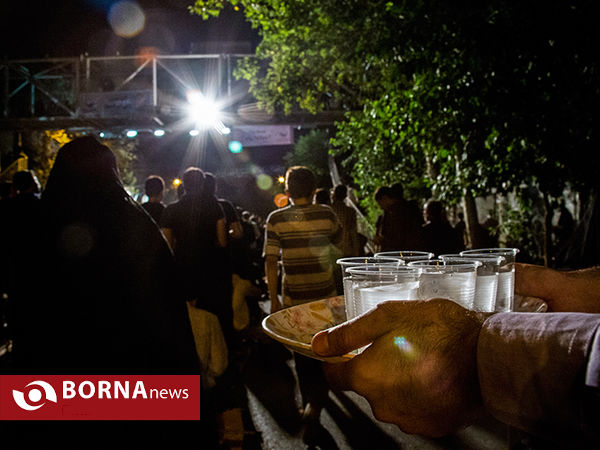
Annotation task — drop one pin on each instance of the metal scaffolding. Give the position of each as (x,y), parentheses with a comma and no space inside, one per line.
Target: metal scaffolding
(55,92)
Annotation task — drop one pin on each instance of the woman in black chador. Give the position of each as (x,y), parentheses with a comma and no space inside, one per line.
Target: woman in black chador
(102,297)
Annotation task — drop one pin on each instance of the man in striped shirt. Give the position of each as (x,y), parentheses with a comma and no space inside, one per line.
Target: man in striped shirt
(302,235)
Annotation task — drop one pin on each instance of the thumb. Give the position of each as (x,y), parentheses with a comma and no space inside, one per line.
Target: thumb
(360,331)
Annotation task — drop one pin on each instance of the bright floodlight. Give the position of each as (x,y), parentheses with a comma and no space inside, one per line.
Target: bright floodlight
(201,110)
(194,132)
(159,133)
(131,133)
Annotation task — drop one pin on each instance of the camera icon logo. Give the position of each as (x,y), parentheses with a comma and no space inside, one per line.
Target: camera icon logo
(35,398)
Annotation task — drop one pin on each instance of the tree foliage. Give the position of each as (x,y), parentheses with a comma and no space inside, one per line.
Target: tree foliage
(458,97)
(311,150)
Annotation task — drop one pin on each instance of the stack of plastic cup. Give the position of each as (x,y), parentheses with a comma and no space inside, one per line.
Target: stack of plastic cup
(505,293)
(486,283)
(452,280)
(354,261)
(373,284)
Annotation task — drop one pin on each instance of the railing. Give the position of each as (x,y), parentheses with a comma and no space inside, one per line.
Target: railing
(53,87)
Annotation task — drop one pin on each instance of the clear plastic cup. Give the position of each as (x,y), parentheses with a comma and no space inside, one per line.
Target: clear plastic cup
(353,261)
(373,284)
(505,293)
(453,280)
(406,255)
(486,283)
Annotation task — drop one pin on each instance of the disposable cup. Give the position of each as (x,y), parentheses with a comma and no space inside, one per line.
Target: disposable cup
(406,255)
(373,284)
(486,283)
(353,261)
(453,280)
(505,293)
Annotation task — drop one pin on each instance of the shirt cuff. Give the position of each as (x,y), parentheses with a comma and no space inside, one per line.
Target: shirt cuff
(532,369)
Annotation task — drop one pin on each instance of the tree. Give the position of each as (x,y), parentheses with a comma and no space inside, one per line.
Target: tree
(464,98)
(312,150)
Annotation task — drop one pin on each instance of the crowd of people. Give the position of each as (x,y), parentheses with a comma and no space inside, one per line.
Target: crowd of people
(125,287)
(95,282)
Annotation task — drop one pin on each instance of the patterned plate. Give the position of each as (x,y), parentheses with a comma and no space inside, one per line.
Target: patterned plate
(295,326)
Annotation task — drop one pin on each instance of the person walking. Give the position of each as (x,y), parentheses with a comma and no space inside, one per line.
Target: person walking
(399,226)
(350,245)
(299,235)
(195,229)
(438,235)
(154,187)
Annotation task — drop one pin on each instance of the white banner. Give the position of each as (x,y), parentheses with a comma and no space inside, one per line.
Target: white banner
(115,104)
(263,135)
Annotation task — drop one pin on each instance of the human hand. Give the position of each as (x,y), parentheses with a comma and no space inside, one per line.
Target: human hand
(420,371)
(564,291)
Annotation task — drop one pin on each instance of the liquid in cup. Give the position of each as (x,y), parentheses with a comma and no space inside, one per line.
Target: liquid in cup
(406,256)
(505,293)
(486,283)
(372,285)
(446,279)
(354,261)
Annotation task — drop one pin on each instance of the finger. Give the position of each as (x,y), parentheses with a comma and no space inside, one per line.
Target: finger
(362,330)
(524,274)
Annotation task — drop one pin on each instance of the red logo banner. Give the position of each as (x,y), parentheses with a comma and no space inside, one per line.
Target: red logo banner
(99,397)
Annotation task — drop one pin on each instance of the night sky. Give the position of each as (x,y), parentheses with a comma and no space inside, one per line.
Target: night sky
(68,28)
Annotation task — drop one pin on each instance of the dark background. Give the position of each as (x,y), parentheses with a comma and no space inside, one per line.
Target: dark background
(68,28)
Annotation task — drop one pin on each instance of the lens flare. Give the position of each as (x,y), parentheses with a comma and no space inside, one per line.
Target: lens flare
(280,200)
(126,18)
(404,346)
(264,182)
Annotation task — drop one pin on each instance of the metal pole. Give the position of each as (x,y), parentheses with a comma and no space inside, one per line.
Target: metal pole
(220,75)
(6,89)
(32,104)
(76,85)
(154,83)
(87,73)
(228,75)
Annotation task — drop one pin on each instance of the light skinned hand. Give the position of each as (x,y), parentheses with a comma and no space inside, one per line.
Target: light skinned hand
(564,291)
(420,370)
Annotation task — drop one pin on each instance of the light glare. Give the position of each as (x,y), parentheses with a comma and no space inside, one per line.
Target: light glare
(126,18)
(203,112)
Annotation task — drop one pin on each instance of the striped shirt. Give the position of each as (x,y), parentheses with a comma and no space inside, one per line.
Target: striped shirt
(302,236)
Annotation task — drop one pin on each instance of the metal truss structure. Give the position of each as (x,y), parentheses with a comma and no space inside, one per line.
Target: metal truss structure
(119,92)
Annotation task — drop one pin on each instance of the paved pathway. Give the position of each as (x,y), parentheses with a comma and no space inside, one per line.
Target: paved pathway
(347,422)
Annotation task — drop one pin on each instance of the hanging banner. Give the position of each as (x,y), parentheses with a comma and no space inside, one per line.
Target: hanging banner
(114,104)
(263,135)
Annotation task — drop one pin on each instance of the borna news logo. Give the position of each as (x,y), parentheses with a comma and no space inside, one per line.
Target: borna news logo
(100,397)
(35,396)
